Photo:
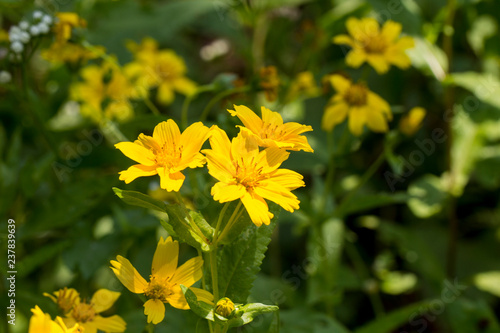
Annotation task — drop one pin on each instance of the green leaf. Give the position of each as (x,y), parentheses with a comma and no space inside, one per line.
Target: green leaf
(428,58)
(200,221)
(299,320)
(428,196)
(466,315)
(488,281)
(394,319)
(485,86)
(202,309)
(239,262)
(483,27)
(246,313)
(396,282)
(141,200)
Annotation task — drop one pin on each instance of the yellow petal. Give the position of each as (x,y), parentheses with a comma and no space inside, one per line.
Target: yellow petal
(165,94)
(343,39)
(110,324)
(184,86)
(379,63)
(271,117)
(128,275)
(155,310)
(257,209)
(192,139)
(353,26)
(271,158)
(177,299)
(247,117)
(340,83)
(355,58)
(190,272)
(170,181)
(167,133)
(279,195)
(103,299)
(137,153)
(89,327)
(41,323)
(136,171)
(356,120)
(376,121)
(289,179)
(224,192)
(203,295)
(334,114)
(391,30)
(165,258)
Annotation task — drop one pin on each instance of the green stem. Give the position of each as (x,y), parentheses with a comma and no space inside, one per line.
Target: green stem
(152,107)
(151,327)
(218,97)
(234,217)
(189,99)
(368,174)
(260,29)
(330,173)
(364,273)
(219,222)
(190,218)
(213,268)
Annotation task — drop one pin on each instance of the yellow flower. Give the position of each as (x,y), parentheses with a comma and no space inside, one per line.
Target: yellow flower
(60,53)
(148,44)
(159,68)
(4,36)
(379,47)
(104,93)
(410,123)
(269,82)
(164,281)
(305,85)
(41,322)
(166,153)
(224,307)
(65,23)
(86,314)
(251,175)
(361,105)
(270,131)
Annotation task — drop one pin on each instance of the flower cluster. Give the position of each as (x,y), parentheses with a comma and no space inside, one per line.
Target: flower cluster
(22,33)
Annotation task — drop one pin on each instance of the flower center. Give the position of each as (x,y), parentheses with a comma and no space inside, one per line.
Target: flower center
(247,174)
(374,44)
(158,289)
(169,156)
(270,130)
(83,312)
(356,95)
(65,300)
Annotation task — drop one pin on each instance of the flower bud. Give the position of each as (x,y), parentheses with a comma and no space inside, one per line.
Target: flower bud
(224,307)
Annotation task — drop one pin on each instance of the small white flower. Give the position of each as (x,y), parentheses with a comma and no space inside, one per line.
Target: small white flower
(17,47)
(44,28)
(14,33)
(24,25)
(24,37)
(37,14)
(34,30)
(5,77)
(47,19)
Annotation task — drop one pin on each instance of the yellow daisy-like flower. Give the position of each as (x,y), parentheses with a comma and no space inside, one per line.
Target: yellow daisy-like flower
(65,23)
(41,322)
(105,93)
(246,173)
(164,281)
(379,47)
(411,122)
(303,85)
(270,131)
(361,105)
(163,69)
(86,314)
(166,153)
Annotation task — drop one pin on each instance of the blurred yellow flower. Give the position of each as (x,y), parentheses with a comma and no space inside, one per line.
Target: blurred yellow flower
(166,153)
(148,45)
(60,53)
(65,22)
(86,314)
(379,47)
(270,131)
(410,123)
(303,85)
(269,82)
(361,105)
(251,175)
(105,93)
(41,322)
(4,36)
(163,69)
(164,281)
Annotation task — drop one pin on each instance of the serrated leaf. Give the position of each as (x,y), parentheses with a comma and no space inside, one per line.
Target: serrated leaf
(394,319)
(246,313)
(239,262)
(139,199)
